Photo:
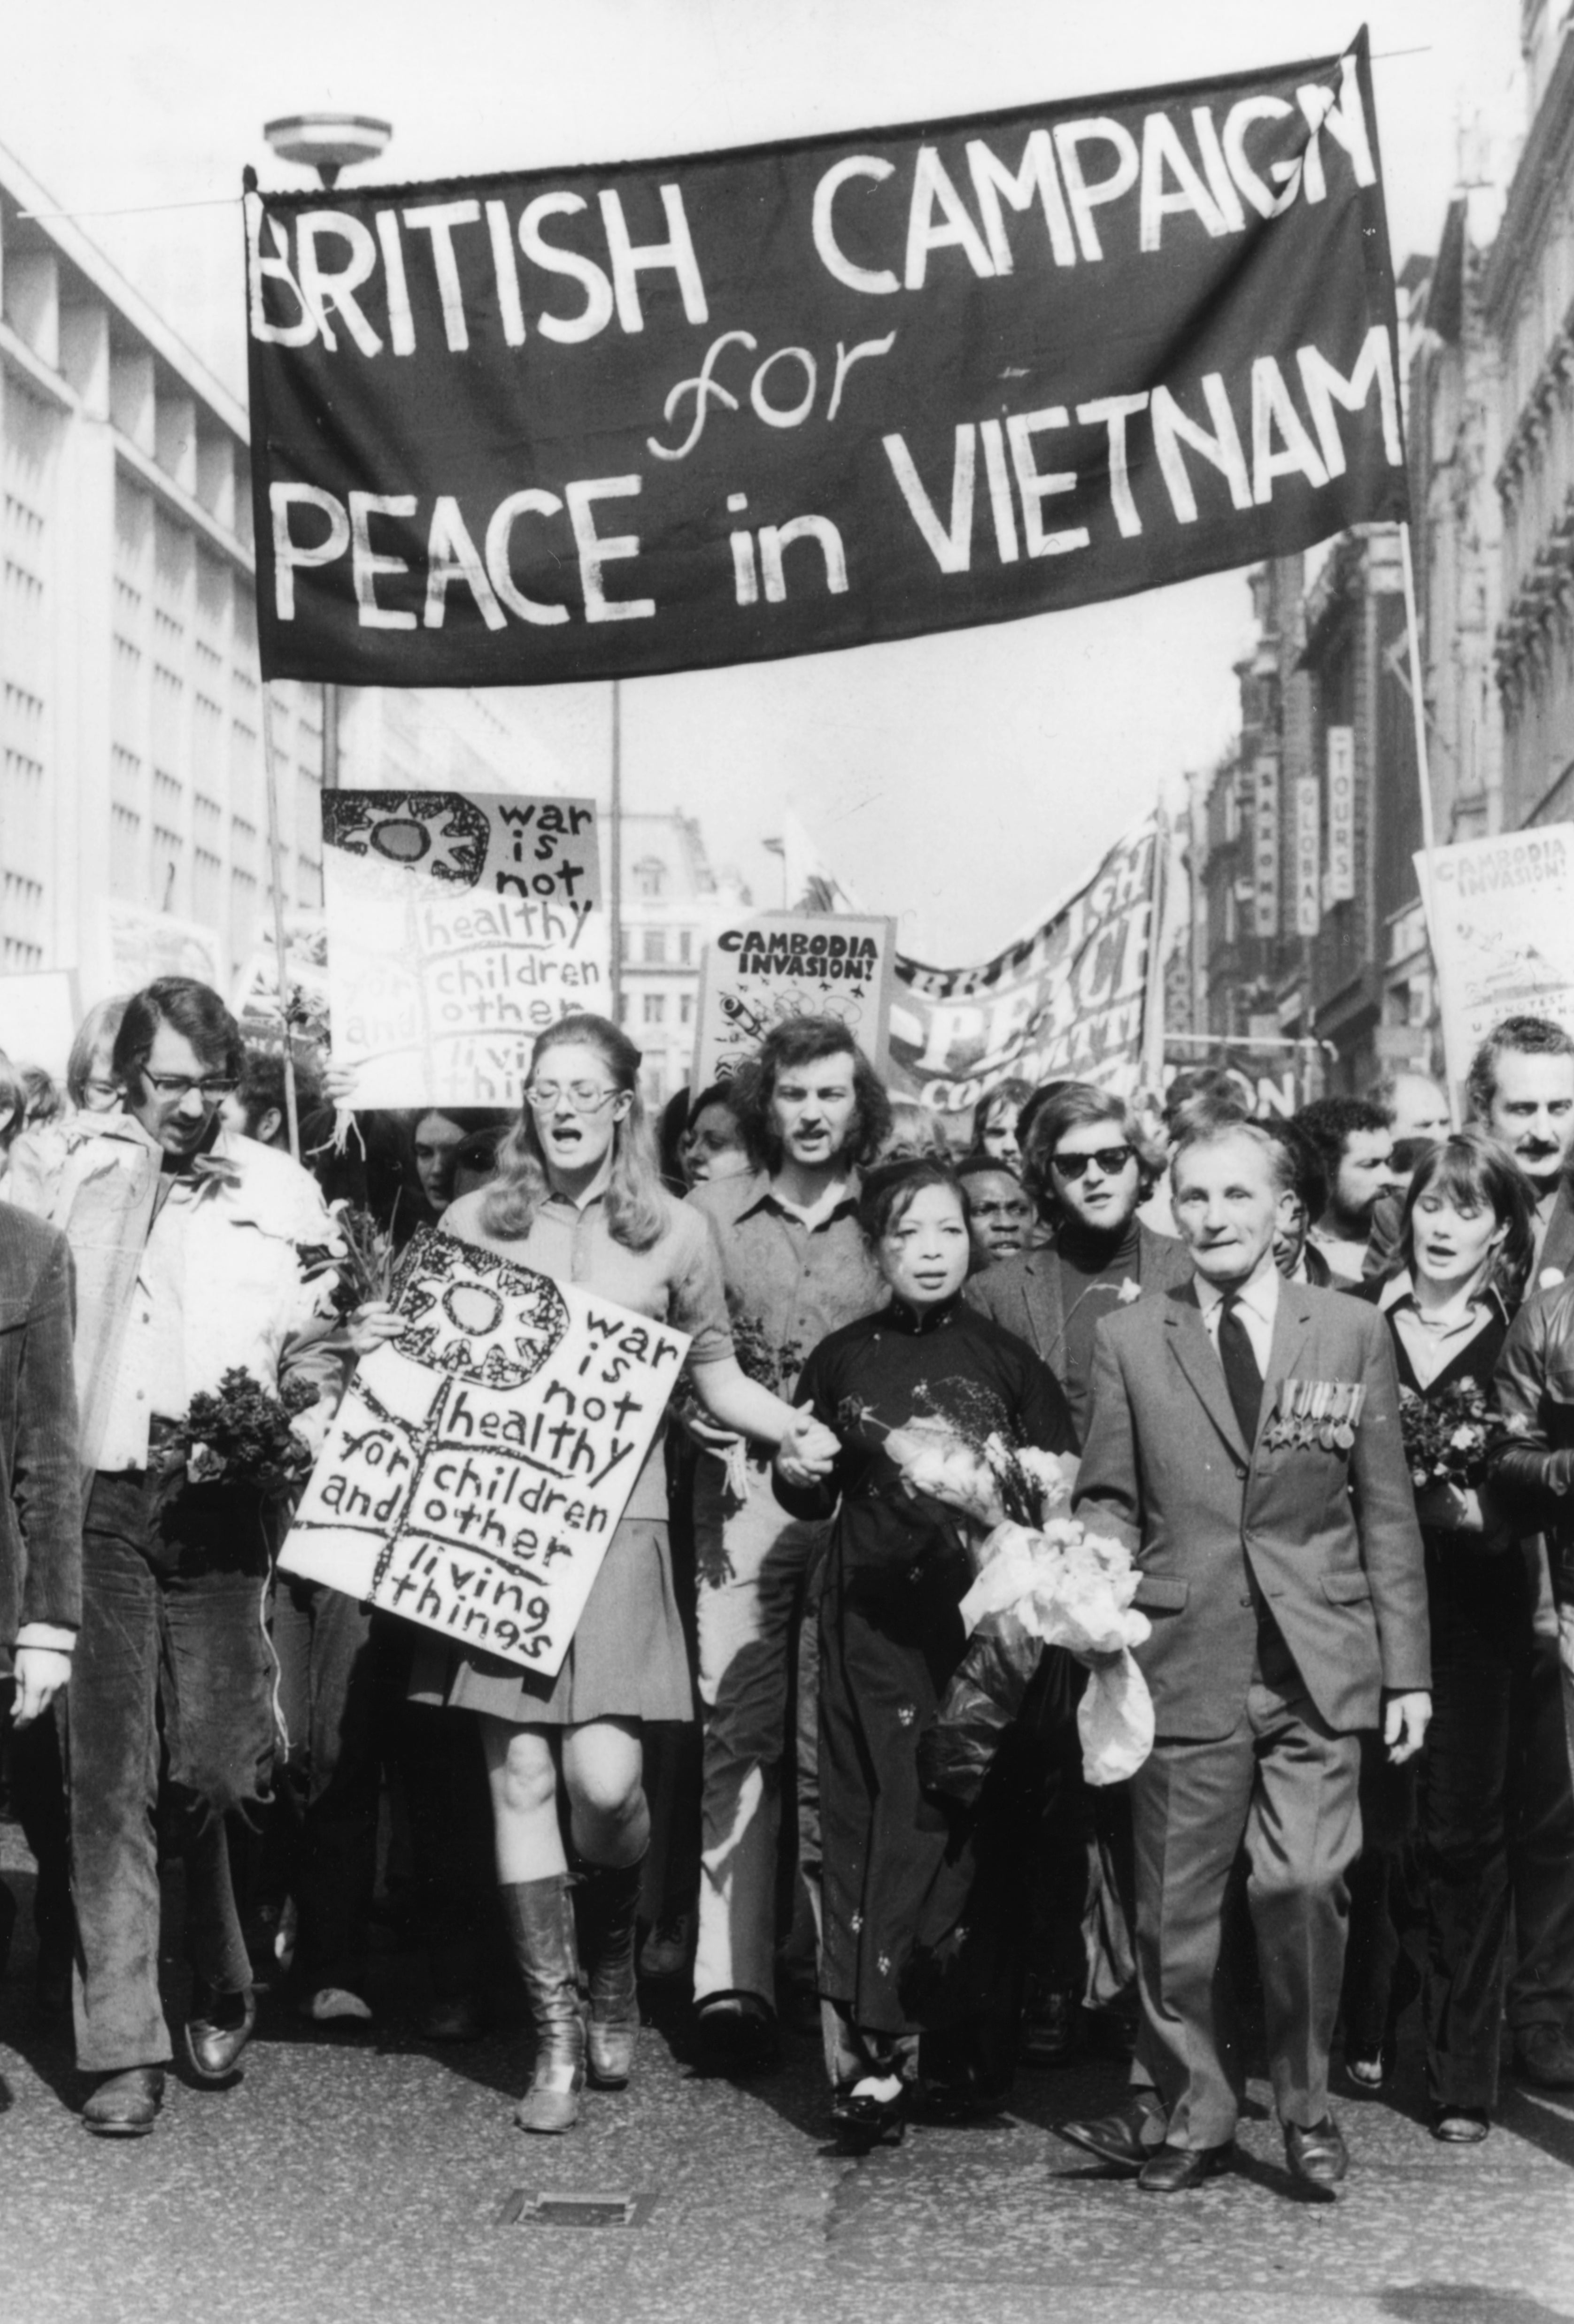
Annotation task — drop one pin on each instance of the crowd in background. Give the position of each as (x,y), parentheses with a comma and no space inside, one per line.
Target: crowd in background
(725,1791)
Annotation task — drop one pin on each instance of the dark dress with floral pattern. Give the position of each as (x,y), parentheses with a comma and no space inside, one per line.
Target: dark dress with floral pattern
(890,1635)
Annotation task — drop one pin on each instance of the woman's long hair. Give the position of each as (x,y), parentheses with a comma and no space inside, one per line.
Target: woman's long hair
(1474,1171)
(636,1213)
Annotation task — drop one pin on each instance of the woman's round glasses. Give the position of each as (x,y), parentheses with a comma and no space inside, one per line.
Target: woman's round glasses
(580,1097)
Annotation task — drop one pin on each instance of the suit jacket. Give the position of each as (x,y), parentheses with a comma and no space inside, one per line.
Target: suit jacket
(1023,1292)
(41,1516)
(1329,1537)
(1556,1249)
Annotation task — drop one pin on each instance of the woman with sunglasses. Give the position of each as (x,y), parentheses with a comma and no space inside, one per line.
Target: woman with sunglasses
(577,1196)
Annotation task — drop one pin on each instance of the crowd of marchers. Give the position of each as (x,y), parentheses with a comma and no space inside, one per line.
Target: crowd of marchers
(1312,1379)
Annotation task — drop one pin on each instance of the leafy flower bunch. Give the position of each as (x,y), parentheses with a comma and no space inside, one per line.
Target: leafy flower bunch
(1451,1438)
(958,1453)
(242,1435)
(365,1266)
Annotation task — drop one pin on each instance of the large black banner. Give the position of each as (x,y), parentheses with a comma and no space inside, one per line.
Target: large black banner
(666,414)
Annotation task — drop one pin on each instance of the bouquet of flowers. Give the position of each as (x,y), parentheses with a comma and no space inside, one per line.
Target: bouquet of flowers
(1040,1576)
(364,1265)
(240,1436)
(1450,1438)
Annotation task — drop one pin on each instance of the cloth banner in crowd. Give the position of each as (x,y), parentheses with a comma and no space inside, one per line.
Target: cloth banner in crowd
(38,1015)
(258,1007)
(1272,1076)
(480,1461)
(1068,1000)
(758,971)
(1501,924)
(459,925)
(595,421)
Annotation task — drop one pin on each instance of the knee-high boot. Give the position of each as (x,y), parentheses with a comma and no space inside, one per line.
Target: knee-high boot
(608,1903)
(540,1915)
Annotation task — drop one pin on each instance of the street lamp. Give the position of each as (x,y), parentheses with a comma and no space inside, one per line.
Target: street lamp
(327,142)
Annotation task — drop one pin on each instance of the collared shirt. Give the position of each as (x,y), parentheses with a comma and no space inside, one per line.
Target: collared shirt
(1428,1349)
(676,1281)
(1345,1260)
(151,1376)
(788,1285)
(1540,1220)
(1258,1305)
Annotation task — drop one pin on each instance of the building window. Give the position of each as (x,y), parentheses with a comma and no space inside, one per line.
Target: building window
(656,947)
(685,945)
(686,1008)
(655,1008)
(650,877)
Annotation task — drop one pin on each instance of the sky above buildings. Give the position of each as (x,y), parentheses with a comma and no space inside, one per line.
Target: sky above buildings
(957,782)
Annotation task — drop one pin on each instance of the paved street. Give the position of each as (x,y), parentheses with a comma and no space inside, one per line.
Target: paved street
(367,2176)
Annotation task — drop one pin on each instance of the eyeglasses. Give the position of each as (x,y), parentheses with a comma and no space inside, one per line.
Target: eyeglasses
(177,1086)
(580,1097)
(1111,1159)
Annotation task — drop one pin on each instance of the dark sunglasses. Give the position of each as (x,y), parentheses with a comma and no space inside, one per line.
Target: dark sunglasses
(1111,1160)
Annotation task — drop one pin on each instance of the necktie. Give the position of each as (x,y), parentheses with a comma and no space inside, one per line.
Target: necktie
(1241,1376)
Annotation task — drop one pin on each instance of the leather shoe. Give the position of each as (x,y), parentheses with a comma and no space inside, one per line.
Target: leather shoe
(1543,2056)
(1460,2126)
(861,2120)
(1176,2170)
(125,2105)
(1117,2138)
(1316,2155)
(216,2032)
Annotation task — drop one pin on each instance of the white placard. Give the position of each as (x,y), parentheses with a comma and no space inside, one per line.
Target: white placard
(1501,921)
(480,1461)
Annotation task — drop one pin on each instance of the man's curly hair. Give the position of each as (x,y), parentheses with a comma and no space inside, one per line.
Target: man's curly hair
(807,1041)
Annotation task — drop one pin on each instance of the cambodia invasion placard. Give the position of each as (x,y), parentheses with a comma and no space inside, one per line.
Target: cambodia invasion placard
(461,924)
(792,964)
(579,422)
(1501,921)
(480,1461)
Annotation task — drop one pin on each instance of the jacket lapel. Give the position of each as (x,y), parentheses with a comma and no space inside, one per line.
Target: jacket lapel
(1045,1308)
(1195,1355)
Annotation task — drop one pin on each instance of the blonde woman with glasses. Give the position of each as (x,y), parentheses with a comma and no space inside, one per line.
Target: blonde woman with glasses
(578,1197)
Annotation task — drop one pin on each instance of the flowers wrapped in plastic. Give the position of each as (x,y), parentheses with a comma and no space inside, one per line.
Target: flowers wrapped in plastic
(1062,1586)
(1042,1581)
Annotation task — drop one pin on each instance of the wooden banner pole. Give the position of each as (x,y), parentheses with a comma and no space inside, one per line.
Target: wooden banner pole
(275,877)
(1427,833)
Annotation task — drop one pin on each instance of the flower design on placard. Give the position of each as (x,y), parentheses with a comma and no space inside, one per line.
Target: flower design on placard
(441,835)
(474,1315)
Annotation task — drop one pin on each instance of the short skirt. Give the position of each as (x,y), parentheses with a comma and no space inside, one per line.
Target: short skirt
(627,1659)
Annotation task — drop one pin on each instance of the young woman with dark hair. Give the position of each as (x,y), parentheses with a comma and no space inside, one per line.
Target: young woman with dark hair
(890,1635)
(1464,1239)
(577,1196)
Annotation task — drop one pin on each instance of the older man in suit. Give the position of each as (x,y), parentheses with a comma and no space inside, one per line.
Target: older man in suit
(1245,1443)
(41,1510)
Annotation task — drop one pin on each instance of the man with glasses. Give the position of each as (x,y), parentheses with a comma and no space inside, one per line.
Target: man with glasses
(188,1242)
(1088,1164)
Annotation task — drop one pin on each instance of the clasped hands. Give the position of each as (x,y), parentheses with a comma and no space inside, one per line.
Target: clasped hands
(808,1451)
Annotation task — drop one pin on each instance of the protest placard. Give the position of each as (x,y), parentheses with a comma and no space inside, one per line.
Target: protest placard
(1068,1002)
(38,1015)
(792,964)
(259,1006)
(480,1461)
(1501,923)
(667,414)
(459,927)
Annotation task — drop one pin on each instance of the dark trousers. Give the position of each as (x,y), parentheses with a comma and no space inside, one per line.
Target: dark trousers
(172,1638)
(331,1774)
(1497,1824)
(1283,1785)
(38,1796)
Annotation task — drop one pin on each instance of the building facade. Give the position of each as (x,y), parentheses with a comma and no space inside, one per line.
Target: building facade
(674,903)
